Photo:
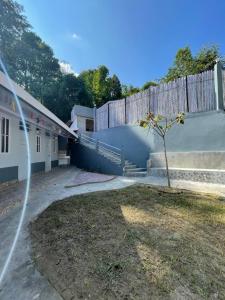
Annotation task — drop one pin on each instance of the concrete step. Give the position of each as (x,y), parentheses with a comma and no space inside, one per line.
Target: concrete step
(130,166)
(202,175)
(135,174)
(134,169)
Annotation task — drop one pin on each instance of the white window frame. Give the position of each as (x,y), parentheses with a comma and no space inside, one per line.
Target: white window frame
(38,143)
(4,136)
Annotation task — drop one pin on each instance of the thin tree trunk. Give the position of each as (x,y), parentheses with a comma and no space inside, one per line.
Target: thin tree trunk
(166,160)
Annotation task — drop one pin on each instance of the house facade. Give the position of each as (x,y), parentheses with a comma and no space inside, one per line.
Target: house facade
(46,134)
(82,118)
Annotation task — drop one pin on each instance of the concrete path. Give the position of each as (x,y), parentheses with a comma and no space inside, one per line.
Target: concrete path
(23,281)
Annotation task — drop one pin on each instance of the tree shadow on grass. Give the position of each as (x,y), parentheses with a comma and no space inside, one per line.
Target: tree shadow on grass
(135,243)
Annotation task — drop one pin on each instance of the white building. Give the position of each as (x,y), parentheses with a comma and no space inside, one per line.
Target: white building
(82,118)
(45,132)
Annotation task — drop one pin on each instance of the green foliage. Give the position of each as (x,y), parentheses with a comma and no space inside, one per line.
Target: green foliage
(129,90)
(115,88)
(148,84)
(13,25)
(100,87)
(62,94)
(187,64)
(32,64)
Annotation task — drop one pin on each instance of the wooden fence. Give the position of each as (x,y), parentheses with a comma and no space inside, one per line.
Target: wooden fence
(195,93)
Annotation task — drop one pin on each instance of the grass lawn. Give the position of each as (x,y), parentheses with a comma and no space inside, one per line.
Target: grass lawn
(141,242)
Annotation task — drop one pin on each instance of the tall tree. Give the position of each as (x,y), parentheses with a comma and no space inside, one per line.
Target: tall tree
(36,65)
(100,85)
(63,94)
(13,25)
(87,78)
(115,87)
(187,64)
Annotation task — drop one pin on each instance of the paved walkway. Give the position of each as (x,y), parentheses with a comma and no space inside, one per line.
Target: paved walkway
(23,281)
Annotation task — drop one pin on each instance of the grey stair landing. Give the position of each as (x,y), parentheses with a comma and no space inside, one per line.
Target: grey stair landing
(115,155)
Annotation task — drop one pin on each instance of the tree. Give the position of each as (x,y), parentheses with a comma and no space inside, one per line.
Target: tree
(161,125)
(13,25)
(186,64)
(63,94)
(148,84)
(100,85)
(129,90)
(115,87)
(87,78)
(36,65)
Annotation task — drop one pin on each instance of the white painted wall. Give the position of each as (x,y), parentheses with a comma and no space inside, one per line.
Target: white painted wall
(17,155)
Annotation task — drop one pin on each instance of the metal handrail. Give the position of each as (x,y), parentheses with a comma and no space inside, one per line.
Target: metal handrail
(110,146)
(109,149)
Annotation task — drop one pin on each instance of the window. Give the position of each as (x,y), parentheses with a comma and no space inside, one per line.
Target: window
(89,125)
(4,135)
(38,143)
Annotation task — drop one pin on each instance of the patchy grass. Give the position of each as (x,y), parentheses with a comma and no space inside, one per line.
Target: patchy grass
(141,242)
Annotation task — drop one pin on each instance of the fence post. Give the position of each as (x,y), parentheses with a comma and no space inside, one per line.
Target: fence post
(187,99)
(218,84)
(108,116)
(125,110)
(95,117)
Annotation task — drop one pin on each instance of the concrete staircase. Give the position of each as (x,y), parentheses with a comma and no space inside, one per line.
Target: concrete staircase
(115,155)
(64,160)
(131,170)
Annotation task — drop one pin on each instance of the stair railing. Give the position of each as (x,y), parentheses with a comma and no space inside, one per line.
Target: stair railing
(103,148)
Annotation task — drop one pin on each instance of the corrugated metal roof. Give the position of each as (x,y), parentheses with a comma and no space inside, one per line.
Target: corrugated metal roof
(26,97)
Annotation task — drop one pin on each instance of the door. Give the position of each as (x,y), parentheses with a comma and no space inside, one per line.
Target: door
(48,154)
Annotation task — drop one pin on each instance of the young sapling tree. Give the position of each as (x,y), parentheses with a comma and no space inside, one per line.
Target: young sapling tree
(161,125)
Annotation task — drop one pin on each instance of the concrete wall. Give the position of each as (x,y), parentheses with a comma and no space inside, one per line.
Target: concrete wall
(135,141)
(90,160)
(201,132)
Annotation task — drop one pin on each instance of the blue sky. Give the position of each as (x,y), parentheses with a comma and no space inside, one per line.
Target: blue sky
(135,39)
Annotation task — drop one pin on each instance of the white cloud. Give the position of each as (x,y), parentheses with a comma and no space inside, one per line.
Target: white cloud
(66,68)
(75,36)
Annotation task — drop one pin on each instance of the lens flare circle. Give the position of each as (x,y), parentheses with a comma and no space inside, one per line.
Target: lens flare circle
(13,246)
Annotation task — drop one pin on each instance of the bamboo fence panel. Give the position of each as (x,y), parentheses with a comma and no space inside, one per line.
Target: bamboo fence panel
(194,93)
(117,113)
(102,117)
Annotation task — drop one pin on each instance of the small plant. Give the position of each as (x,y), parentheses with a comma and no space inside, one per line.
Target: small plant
(161,125)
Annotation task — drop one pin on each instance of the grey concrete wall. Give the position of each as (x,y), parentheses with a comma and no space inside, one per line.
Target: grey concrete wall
(190,160)
(135,141)
(201,132)
(90,160)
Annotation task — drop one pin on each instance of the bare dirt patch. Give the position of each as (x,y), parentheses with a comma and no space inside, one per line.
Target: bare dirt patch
(141,242)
